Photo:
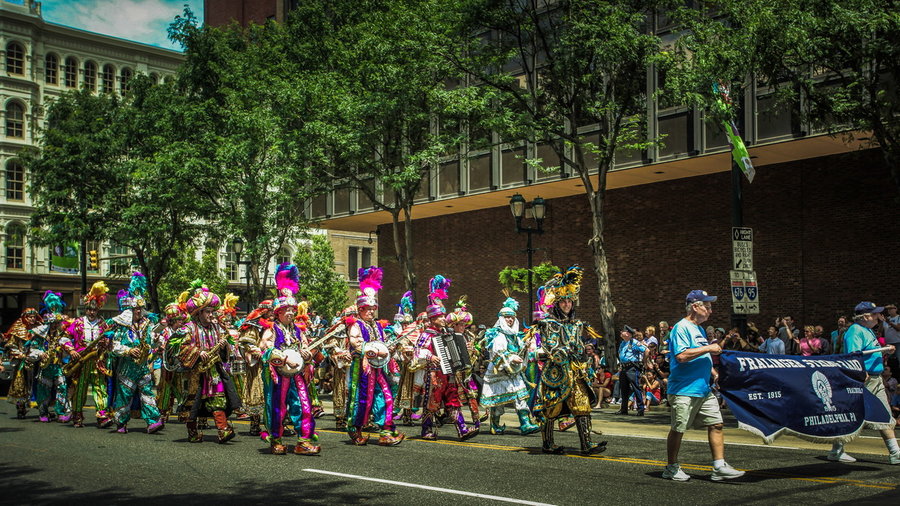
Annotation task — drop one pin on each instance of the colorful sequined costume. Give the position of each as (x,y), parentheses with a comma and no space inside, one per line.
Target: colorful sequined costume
(440,389)
(504,380)
(131,334)
(467,380)
(287,391)
(87,337)
(564,387)
(14,342)
(249,340)
(170,386)
(337,349)
(45,349)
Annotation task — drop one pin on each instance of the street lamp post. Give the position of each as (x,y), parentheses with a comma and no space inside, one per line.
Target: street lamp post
(517,206)
(237,246)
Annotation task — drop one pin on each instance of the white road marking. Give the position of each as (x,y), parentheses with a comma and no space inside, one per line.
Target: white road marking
(426,487)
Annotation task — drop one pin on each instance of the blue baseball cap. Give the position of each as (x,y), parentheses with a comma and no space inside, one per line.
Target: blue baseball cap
(699,296)
(867,307)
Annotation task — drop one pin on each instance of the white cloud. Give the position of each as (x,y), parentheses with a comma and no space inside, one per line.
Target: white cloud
(139,20)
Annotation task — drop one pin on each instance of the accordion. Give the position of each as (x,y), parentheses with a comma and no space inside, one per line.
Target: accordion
(452,351)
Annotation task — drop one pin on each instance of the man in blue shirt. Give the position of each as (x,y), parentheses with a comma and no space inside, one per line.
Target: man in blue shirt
(859,337)
(690,395)
(631,358)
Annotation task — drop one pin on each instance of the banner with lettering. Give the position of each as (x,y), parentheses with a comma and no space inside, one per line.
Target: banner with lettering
(821,398)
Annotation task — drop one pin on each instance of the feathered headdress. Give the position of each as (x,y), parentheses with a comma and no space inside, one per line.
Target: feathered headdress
(510,306)
(405,308)
(369,284)
(287,284)
(438,287)
(96,296)
(229,304)
(199,297)
(52,303)
(563,285)
(540,304)
(461,314)
(133,297)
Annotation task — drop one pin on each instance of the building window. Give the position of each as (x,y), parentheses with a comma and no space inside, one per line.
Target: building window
(353,263)
(90,75)
(15,58)
(231,266)
(366,257)
(51,69)
(108,78)
(119,261)
(15,181)
(15,120)
(70,73)
(125,80)
(283,256)
(154,78)
(15,246)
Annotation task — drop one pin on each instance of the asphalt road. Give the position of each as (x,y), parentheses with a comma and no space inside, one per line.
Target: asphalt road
(55,464)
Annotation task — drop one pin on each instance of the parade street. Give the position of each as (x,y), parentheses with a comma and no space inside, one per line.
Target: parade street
(55,464)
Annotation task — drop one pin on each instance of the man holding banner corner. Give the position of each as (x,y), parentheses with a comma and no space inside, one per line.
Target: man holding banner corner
(690,394)
(859,337)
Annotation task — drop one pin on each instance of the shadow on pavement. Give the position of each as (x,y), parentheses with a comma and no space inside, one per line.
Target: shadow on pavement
(817,470)
(312,490)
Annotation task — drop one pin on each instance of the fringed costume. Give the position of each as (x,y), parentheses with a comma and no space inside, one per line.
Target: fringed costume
(88,372)
(15,342)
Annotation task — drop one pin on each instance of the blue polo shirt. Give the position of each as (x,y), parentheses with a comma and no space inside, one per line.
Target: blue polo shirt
(689,378)
(631,351)
(859,338)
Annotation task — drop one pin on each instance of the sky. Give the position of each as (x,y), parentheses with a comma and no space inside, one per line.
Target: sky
(139,20)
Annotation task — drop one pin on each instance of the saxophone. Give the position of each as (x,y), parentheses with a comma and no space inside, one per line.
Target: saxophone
(144,346)
(212,356)
(52,349)
(89,353)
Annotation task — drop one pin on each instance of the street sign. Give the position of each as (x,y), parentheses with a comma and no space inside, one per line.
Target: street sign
(742,248)
(744,292)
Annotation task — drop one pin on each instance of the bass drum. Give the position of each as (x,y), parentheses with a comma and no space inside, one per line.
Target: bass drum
(376,353)
(289,356)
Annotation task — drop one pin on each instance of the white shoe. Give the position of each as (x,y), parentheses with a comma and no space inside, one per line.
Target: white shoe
(674,472)
(843,457)
(726,472)
(894,458)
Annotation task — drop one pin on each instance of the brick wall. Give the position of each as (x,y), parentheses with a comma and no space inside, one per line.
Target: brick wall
(825,237)
(223,12)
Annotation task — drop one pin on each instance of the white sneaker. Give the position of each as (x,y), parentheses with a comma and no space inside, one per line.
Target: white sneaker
(842,457)
(726,472)
(894,458)
(674,472)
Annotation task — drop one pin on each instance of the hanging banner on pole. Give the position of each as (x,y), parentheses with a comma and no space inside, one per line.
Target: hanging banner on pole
(739,152)
(64,258)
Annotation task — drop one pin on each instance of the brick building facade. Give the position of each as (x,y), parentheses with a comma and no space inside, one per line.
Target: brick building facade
(825,232)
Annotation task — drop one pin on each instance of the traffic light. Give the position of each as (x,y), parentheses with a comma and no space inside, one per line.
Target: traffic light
(94,261)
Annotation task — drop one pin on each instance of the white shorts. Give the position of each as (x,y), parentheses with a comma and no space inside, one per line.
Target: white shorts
(694,412)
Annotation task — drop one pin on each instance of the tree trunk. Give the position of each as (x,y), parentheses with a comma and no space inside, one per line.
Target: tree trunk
(409,273)
(398,243)
(601,268)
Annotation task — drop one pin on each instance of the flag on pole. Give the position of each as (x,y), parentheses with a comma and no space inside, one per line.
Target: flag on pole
(739,152)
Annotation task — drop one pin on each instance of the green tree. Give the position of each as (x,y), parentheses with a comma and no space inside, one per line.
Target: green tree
(515,279)
(320,285)
(837,62)
(255,109)
(187,268)
(386,114)
(552,67)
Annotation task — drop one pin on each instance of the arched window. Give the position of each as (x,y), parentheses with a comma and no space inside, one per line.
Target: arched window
(70,72)
(15,246)
(15,120)
(15,58)
(126,79)
(283,256)
(15,181)
(51,69)
(90,75)
(154,78)
(107,78)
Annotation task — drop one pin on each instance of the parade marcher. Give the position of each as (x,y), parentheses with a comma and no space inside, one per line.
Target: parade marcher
(369,396)
(339,356)
(203,348)
(504,380)
(564,387)
(14,341)
(132,342)
(46,349)
(440,389)
(467,380)
(860,337)
(87,351)
(235,365)
(250,337)
(690,390)
(170,385)
(311,369)
(286,385)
